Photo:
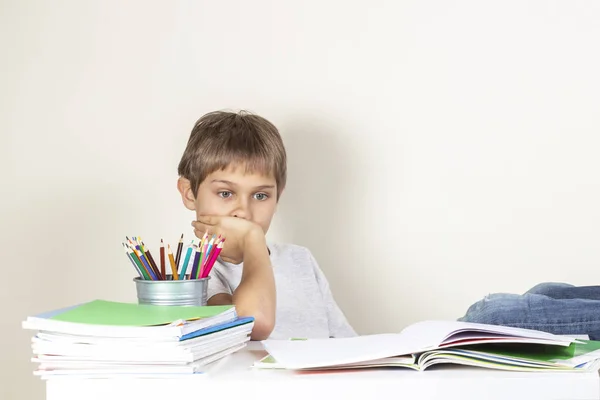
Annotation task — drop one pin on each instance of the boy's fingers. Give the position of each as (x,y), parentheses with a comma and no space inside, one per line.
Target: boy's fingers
(207,220)
(200,228)
(197,225)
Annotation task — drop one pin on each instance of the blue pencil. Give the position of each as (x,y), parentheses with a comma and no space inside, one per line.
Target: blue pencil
(148,267)
(208,250)
(184,266)
(196,262)
(133,262)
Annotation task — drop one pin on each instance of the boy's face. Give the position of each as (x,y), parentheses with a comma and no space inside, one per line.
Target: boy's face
(233,192)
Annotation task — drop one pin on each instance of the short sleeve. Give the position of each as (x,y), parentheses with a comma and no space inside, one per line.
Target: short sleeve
(217,283)
(338,324)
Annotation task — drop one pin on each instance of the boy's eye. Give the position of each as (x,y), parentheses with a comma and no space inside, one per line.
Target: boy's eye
(261,196)
(225,194)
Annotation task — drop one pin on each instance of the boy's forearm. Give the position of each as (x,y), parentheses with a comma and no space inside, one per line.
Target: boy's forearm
(255,295)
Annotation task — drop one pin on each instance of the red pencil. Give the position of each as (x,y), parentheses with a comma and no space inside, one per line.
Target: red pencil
(210,263)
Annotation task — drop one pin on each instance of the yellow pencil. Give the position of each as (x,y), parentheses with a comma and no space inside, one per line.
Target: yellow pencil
(203,240)
(173,266)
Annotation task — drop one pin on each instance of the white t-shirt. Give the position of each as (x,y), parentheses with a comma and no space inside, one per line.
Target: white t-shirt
(305,304)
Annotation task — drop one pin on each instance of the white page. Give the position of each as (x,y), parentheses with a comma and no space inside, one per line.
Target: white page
(103,353)
(314,353)
(132,343)
(318,353)
(579,337)
(430,334)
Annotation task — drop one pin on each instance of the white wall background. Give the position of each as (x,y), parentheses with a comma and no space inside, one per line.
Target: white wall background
(438,150)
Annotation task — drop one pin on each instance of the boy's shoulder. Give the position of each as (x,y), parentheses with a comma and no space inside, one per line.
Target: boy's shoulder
(281,253)
(297,252)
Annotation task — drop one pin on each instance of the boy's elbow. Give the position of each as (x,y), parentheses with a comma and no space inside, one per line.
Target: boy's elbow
(263,326)
(260,306)
(264,321)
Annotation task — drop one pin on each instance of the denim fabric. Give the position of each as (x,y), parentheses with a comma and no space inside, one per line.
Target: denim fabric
(557,308)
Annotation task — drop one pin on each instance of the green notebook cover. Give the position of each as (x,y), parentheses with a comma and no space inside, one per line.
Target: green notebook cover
(102,312)
(533,356)
(538,352)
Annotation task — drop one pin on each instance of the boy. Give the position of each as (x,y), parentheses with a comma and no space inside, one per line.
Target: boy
(558,308)
(232,174)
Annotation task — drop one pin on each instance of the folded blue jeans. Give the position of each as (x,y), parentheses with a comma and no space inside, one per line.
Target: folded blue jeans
(558,308)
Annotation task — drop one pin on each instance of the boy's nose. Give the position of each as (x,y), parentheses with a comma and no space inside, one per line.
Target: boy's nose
(241,211)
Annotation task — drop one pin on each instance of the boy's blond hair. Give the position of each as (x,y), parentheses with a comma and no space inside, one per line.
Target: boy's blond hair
(221,138)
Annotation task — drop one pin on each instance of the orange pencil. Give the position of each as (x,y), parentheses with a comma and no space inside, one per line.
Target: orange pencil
(173,266)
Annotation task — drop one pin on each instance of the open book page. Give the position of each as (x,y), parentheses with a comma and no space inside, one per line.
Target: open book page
(315,353)
(433,334)
(268,362)
(417,338)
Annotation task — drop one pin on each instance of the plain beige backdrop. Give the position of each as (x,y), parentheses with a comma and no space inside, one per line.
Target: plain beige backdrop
(438,150)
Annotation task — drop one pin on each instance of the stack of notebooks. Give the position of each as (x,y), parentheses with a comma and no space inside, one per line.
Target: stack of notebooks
(103,339)
(437,343)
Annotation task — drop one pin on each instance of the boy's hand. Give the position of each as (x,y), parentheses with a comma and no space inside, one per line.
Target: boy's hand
(238,232)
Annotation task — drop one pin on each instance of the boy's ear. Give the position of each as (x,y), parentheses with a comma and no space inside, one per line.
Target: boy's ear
(187,195)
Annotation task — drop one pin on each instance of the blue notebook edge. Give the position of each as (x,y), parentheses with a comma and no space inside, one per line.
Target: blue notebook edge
(217,328)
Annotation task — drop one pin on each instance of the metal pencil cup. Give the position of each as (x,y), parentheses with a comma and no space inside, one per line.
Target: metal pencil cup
(190,292)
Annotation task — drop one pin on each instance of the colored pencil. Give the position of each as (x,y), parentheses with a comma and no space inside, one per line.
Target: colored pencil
(202,252)
(138,261)
(203,240)
(163,272)
(208,250)
(144,259)
(196,263)
(131,248)
(203,259)
(172,261)
(137,268)
(146,264)
(145,274)
(213,259)
(179,247)
(152,263)
(186,260)
(190,264)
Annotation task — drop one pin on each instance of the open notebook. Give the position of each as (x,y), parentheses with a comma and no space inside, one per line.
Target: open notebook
(428,343)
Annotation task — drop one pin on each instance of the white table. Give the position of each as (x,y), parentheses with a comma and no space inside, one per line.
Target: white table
(232,378)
